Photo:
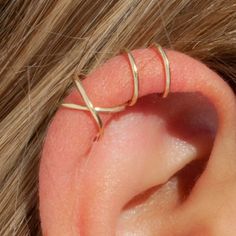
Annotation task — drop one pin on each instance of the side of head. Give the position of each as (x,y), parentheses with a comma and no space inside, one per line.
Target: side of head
(42,43)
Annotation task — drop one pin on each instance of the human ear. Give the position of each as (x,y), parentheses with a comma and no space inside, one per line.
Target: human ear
(133,180)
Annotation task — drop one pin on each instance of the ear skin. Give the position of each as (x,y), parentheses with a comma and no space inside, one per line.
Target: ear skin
(149,151)
(85,186)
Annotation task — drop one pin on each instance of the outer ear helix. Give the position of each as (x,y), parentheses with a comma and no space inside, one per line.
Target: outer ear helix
(96,110)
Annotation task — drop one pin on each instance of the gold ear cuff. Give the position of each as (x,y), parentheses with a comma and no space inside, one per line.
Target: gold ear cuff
(96,110)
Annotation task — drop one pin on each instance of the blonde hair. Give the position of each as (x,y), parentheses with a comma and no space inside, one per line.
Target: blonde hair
(42,42)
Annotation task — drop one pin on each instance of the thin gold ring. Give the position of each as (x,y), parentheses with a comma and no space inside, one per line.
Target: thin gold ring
(96,110)
(90,107)
(135,77)
(166,66)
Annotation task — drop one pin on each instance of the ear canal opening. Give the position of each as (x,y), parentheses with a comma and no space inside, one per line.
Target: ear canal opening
(156,205)
(184,180)
(159,202)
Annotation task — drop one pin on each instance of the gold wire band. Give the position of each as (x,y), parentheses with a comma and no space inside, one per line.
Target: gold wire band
(96,110)
(89,104)
(135,77)
(166,66)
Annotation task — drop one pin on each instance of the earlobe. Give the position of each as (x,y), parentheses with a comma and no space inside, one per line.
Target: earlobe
(85,185)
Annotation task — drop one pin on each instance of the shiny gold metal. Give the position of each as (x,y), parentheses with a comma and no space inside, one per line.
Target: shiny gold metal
(89,105)
(96,110)
(166,64)
(135,77)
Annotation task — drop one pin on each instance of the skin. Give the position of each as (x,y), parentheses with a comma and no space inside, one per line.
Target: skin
(136,179)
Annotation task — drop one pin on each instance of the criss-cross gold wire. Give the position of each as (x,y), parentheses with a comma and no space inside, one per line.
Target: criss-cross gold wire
(96,110)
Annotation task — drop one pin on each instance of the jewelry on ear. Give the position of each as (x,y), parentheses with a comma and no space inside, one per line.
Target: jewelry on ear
(96,110)
(166,64)
(134,69)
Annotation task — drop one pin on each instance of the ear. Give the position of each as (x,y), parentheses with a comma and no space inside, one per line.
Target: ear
(139,177)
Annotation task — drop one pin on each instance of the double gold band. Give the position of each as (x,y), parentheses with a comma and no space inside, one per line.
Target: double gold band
(96,110)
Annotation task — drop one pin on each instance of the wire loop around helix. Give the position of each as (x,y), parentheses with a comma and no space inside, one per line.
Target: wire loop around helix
(96,110)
